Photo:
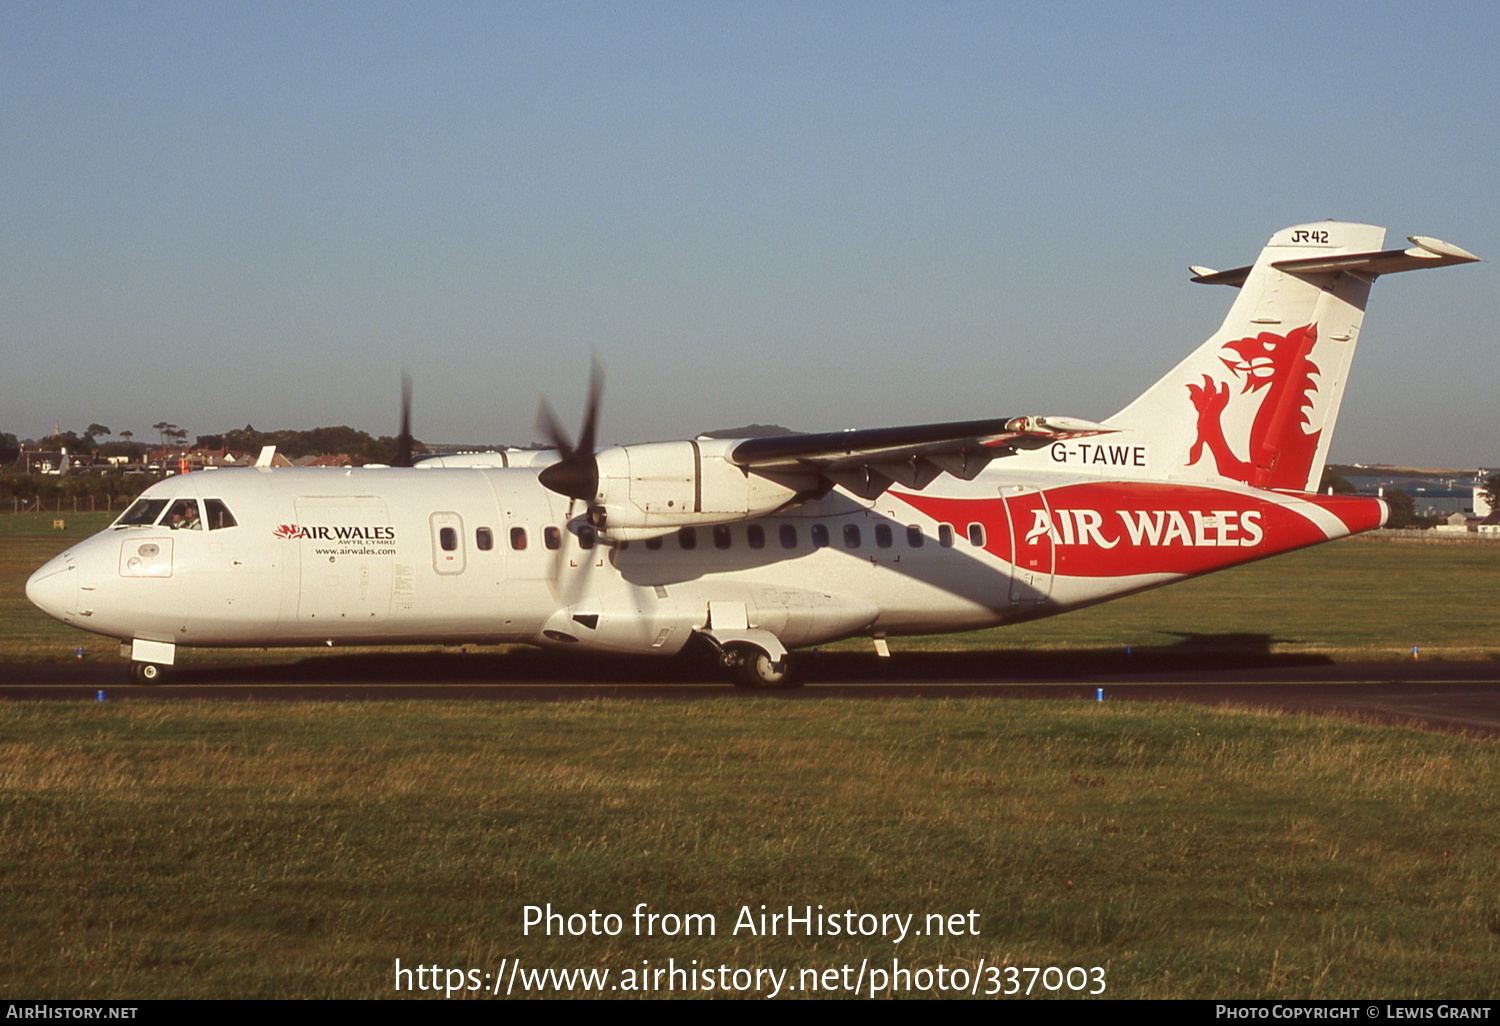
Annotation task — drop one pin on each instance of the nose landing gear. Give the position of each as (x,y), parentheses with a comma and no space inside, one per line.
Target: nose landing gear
(147,673)
(149,660)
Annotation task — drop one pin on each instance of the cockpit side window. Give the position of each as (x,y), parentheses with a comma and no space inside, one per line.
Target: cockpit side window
(142,513)
(218,515)
(184,516)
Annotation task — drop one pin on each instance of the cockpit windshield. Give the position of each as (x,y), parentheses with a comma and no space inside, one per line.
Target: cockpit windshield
(180,514)
(142,513)
(183,516)
(218,514)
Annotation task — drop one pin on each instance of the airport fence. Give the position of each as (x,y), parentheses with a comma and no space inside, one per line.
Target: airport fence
(68,504)
(1427,536)
(79,493)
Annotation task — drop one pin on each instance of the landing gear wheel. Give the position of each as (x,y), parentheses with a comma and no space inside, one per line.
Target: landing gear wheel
(146,673)
(754,668)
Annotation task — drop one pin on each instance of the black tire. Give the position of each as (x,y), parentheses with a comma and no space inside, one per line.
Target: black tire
(754,668)
(146,673)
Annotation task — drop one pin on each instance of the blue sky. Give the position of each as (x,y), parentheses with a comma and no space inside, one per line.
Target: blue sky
(823,215)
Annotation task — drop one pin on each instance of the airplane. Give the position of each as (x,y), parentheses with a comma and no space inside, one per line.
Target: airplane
(756,546)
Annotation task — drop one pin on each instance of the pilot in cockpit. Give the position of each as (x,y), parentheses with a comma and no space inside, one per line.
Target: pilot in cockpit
(183,516)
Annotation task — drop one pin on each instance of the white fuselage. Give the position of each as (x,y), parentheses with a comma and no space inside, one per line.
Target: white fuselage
(391,556)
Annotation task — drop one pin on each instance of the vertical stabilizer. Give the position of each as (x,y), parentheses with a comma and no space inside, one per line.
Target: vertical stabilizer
(1256,403)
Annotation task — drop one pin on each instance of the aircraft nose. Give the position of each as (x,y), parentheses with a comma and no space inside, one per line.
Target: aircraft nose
(54,588)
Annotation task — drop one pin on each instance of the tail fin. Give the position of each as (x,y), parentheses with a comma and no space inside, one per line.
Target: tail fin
(1257,402)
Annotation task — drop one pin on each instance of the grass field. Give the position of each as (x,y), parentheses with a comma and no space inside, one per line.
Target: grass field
(1355,599)
(206,850)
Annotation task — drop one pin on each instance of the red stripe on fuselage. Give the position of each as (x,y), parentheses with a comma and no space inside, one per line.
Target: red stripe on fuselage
(1122,528)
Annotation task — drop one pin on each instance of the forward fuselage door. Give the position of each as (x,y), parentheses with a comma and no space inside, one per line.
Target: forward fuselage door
(348,547)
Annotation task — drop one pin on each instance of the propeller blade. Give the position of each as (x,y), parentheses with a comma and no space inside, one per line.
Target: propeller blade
(591,411)
(574,563)
(551,431)
(560,560)
(403,440)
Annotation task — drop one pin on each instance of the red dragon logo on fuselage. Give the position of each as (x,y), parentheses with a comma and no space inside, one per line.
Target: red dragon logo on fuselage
(1281,451)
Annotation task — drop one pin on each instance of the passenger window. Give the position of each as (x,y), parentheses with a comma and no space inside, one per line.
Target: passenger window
(653,543)
(851,536)
(722,539)
(552,538)
(688,537)
(518,538)
(219,516)
(755,536)
(448,538)
(586,536)
(484,539)
(914,536)
(883,535)
(820,536)
(945,535)
(183,516)
(976,535)
(789,536)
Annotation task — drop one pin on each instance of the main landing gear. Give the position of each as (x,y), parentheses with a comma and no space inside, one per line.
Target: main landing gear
(753,667)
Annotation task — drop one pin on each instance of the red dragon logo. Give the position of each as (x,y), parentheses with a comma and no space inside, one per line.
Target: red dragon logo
(288,531)
(1281,450)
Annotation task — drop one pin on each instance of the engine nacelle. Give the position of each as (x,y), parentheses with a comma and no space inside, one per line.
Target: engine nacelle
(654,488)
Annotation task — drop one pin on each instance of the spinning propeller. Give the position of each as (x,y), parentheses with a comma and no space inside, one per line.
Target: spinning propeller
(576,475)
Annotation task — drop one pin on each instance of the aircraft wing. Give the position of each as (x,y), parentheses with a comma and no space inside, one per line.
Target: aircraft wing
(868,460)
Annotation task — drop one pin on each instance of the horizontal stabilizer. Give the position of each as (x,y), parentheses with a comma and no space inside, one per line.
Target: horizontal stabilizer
(1424,252)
